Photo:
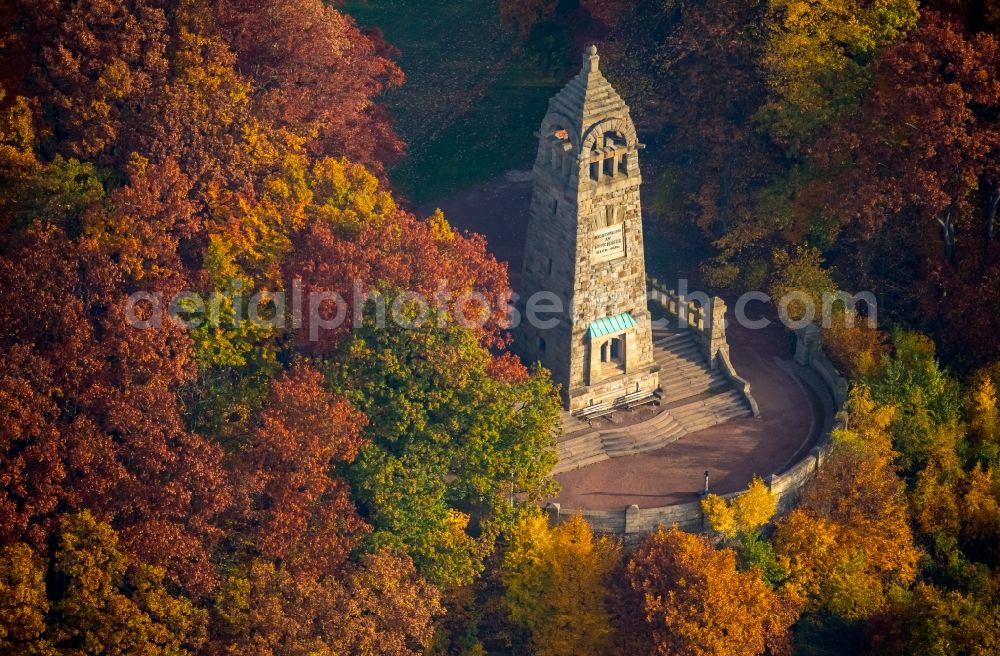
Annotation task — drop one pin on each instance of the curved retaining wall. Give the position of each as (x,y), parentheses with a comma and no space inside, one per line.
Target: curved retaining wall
(787,485)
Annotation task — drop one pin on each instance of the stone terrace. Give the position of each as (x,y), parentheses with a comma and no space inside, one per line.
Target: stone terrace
(795,410)
(694,398)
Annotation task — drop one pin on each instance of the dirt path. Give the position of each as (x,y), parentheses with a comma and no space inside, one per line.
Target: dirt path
(792,412)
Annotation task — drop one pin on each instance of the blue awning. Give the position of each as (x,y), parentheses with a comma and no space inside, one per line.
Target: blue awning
(611,325)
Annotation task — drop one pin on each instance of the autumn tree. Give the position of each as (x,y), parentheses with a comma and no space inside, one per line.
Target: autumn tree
(926,397)
(958,512)
(815,57)
(317,75)
(854,343)
(382,249)
(17,152)
(935,493)
(444,436)
(740,520)
(980,506)
(33,189)
(848,544)
(376,606)
(800,285)
(682,596)
(929,620)
(555,580)
(687,70)
(954,495)
(104,431)
(815,61)
(984,415)
(98,67)
(100,601)
(24,603)
(202,116)
(95,63)
(297,512)
(913,218)
(743,514)
(293,587)
(931,97)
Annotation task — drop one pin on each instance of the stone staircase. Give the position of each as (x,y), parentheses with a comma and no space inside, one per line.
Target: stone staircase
(683,370)
(693,398)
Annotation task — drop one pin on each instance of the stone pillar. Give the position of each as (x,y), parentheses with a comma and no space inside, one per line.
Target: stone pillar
(631,346)
(818,454)
(632,519)
(716,330)
(806,343)
(683,315)
(594,362)
(553,512)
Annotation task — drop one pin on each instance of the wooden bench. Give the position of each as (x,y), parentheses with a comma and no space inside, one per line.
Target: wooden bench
(592,412)
(636,399)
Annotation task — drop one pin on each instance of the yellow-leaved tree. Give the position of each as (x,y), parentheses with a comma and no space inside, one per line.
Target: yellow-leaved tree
(740,520)
(815,59)
(555,585)
(799,283)
(741,515)
(106,602)
(849,543)
(984,415)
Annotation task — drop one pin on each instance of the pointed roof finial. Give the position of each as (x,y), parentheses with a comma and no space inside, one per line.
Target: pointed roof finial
(590,59)
(588,96)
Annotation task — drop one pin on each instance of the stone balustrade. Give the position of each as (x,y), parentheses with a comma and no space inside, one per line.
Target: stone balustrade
(698,312)
(706,316)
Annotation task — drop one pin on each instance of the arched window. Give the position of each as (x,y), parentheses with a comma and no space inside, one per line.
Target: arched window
(614,140)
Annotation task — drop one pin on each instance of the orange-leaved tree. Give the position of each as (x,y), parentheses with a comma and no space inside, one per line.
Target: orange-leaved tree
(682,596)
(849,542)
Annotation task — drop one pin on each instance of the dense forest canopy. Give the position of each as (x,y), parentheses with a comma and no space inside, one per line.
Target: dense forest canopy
(862,133)
(269,487)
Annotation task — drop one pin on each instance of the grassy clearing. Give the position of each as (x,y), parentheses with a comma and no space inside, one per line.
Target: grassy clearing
(474,96)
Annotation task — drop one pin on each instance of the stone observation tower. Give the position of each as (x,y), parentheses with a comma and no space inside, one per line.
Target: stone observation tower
(584,248)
